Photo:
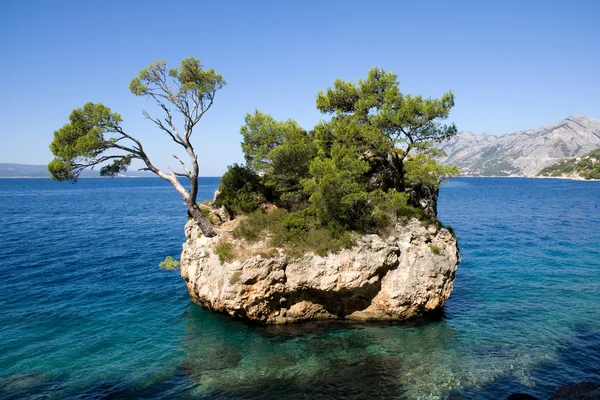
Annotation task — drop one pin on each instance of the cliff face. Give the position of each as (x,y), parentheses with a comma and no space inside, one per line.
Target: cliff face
(406,274)
(522,153)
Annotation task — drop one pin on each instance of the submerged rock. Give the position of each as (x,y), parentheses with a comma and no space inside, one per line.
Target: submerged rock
(571,391)
(407,274)
(577,391)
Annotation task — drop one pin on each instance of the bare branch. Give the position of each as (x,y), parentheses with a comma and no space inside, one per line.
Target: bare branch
(159,123)
(125,148)
(169,120)
(188,173)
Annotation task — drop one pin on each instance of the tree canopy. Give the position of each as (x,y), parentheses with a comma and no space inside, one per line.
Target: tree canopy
(382,122)
(94,135)
(367,164)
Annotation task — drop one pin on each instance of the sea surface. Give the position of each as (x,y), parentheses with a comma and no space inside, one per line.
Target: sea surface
(85,312)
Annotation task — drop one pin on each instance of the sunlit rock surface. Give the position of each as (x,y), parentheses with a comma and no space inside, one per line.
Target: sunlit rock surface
(406,274)
(522,153)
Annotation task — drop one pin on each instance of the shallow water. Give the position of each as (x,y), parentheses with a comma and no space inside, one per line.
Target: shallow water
(86,313)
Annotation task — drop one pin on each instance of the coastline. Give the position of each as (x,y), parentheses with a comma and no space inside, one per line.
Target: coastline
(530,177)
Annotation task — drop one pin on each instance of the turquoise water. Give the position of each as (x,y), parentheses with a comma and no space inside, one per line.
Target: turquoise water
(86,313)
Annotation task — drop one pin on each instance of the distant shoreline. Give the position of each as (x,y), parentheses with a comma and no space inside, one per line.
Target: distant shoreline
(83,177)
(531,177)
(95,177)
(461,176)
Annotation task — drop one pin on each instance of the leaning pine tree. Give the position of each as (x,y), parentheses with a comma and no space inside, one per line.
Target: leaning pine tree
(94,136)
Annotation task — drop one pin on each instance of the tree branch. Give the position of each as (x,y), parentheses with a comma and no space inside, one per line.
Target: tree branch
(188,173)
(162,127)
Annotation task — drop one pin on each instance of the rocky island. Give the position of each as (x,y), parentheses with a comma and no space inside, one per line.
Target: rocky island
(407,273)
(335,223)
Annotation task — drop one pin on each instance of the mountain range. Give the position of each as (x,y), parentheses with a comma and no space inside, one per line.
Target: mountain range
(10,170)
(522,153)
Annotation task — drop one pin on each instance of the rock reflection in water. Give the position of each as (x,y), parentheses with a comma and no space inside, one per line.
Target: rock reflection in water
(323,360)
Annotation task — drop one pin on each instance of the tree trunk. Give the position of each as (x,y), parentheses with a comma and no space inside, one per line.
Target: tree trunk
(397,165)
(205,226)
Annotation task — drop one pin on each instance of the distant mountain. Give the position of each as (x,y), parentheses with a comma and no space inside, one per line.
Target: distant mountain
(522,153)
(23,170)
(585,167)
(8,170)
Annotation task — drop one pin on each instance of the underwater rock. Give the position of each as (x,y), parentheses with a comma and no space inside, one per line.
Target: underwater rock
(577,391)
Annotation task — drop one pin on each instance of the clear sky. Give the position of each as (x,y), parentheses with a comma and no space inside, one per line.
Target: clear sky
(512,64)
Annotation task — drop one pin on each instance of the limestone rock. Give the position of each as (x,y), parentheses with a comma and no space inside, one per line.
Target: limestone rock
(407,274)
(522,153)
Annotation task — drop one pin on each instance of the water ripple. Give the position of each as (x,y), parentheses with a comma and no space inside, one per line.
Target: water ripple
(86,313)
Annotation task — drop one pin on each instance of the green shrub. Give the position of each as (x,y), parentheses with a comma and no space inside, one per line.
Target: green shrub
(240,190)
(424,169)
(206,212)
(407,212)
(235,277)
(352,174)
(292,227)
(297,232)
(225,251)
(435,249)
(169,264)
(586,167)
(301,232)
(253,227)
(282,152)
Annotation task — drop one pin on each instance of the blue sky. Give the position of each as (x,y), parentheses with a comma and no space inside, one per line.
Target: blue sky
(512,64)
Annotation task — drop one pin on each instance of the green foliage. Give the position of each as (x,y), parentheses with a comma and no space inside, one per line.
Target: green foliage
(253,227)
(235,277)
(362,168)
(352,174)
(586,166)
(118,165)
(240,190)
(292,227)
(205,210)
(338,185)
(262,134)
(169,264)
(82,140)
(592,174)
(194,82)
(423,169)
(435,249)
(296,232)
(94,135)
(376,102)
(321,241)
(225,251)
(341,193)
(280,151)
(387,207)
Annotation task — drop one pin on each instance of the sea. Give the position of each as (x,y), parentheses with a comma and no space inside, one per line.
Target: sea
(86,313)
